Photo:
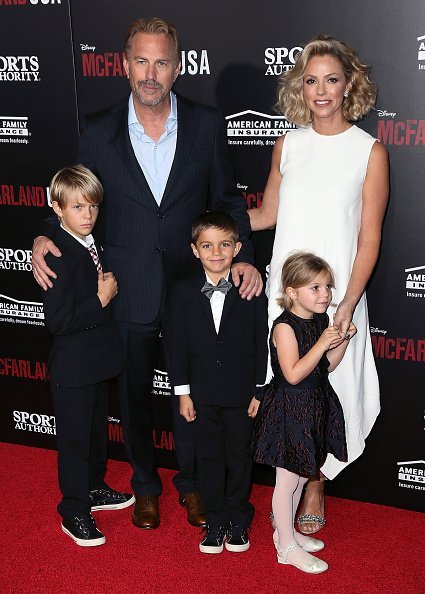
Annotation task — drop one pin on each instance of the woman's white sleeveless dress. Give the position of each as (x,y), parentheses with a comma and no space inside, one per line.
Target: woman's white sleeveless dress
(320,204)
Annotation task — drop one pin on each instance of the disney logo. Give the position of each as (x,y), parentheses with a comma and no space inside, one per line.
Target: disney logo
(377,331)
(384,113)
(241,187)
(113,420)
(85,48)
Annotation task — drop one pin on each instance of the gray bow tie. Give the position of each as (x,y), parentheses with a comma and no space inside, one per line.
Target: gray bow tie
(223,286)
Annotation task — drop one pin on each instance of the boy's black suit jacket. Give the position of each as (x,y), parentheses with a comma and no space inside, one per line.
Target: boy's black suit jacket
(222,368)
(86,346)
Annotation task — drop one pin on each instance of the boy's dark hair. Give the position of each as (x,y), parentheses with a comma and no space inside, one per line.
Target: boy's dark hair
(214,219)
(73,179)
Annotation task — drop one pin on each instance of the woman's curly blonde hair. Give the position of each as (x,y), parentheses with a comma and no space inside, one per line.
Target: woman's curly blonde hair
(361,97)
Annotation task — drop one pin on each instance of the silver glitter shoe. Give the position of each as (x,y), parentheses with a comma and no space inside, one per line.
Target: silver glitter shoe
(313,545)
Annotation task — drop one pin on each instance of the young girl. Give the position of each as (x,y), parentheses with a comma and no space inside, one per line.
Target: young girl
(300,420)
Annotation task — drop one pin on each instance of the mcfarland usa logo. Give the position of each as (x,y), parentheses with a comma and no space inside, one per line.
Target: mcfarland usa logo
(36,196)
(398,349)
(162,440)
(23,369)
(19,260)
(399,132)
(253,199)
(280,59)
(14,129)
(19,69)
(34,422)
(415,282)
(253,128)
(13,311)
(411,475)
(109,64)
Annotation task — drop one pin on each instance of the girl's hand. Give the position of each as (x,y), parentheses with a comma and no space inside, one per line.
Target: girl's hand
(253,407)
(330,338)
(343,317)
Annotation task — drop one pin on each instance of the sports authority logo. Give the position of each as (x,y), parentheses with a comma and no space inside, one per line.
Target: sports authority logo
(36,196)
(110,64)
(280,59)
(253,199)
(19,260)
(421,52)
(256,128)
(13,311)
(34,422)
(14,129)
(411,475)
(415,282)
(161,384)
(19,69)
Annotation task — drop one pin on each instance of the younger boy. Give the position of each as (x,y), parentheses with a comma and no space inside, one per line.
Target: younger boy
(85,353)
(218,354)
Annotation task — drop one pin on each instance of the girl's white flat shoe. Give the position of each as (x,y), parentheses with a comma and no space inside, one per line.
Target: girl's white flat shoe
(314,565)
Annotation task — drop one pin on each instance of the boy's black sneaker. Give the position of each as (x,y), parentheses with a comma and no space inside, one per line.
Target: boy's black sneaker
(83,531)
(237,539)
(109,499)
(213,539)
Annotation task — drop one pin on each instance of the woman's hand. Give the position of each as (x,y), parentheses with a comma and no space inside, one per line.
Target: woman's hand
(343,317)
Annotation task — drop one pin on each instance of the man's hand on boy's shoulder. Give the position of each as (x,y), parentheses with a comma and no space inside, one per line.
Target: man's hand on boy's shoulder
(252,283)
(186,408)
(42,246)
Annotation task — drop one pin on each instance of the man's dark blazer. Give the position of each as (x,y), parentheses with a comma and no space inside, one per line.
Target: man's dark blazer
(86,346)
(147,246)
(222,369)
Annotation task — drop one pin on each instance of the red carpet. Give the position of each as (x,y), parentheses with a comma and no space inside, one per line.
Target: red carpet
(369,548)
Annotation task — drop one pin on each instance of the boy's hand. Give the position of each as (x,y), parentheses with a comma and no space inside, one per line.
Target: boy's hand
(107,287)
(186,408)
(253,407)
(41,246)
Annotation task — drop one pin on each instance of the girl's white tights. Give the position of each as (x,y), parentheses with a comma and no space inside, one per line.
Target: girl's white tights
(286,497)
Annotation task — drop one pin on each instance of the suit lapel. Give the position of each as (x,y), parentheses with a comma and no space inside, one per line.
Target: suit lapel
(230,299)
(186,128)
(122,144)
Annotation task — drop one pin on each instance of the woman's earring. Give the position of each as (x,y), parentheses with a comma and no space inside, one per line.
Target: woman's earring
(346,93)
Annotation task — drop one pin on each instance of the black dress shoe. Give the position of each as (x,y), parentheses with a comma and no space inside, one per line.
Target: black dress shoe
(109,499)
(195,509)
(83,531)
(146,512)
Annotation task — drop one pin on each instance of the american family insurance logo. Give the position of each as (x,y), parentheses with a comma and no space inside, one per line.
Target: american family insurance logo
(161,383)
(415,282)
(411,475)
(110,64)
(13,311)
(421,52)
(253,128)
(14,129)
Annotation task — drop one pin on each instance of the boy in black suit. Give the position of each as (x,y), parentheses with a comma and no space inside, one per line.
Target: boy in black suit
(85,353)
(218,355)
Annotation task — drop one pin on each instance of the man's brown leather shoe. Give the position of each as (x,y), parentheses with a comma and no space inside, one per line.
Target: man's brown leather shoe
(146,512)
(194,507)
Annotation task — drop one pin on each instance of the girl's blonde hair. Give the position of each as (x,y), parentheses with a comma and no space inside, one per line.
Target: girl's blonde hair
(299,270)
(362,95)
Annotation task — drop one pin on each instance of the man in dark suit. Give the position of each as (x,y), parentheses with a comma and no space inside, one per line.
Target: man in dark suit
(162,160)
(218,346)
(85,353)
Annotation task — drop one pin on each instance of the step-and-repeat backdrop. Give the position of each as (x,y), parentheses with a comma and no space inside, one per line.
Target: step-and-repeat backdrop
(60,60)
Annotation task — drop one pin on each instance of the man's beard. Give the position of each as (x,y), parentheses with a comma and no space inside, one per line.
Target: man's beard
(155,100)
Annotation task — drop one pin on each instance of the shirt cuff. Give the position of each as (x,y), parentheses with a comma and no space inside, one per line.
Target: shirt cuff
(182,390)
